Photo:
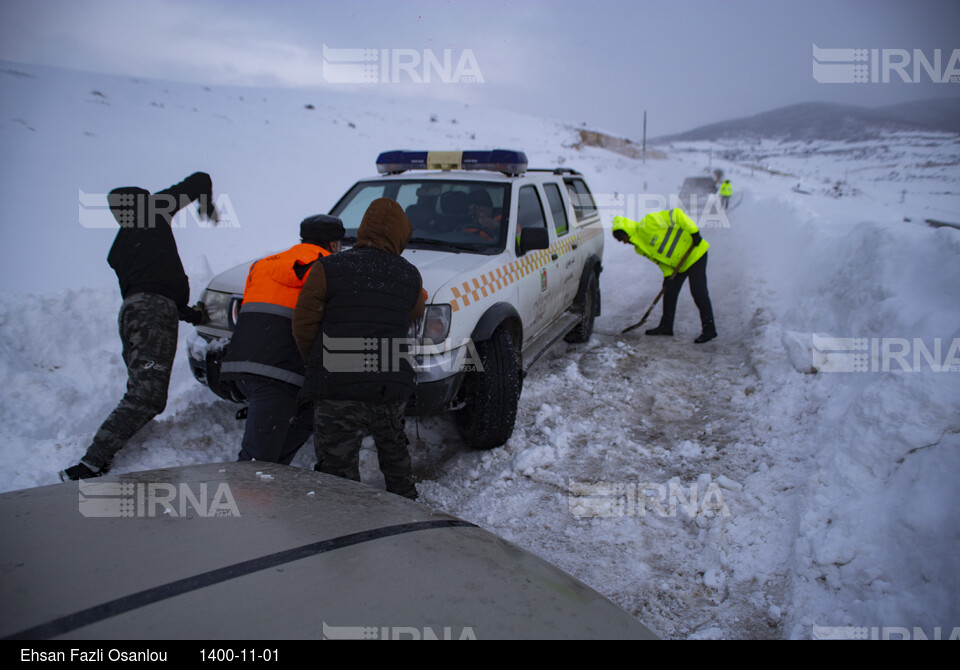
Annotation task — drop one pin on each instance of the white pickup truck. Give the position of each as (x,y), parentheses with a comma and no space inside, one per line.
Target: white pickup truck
(510,258)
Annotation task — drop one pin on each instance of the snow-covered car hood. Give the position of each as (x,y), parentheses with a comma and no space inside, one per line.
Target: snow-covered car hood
(440,268)
(232,280)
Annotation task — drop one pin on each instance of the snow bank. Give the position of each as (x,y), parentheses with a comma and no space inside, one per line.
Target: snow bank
(875,529)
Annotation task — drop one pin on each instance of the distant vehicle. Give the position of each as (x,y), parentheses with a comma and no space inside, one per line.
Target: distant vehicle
(502,292)
(257,551)
(695,194)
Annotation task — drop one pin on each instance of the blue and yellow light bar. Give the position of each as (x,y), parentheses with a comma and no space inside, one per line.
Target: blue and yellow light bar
(497,160)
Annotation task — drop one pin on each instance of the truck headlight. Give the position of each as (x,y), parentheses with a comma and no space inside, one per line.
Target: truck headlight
(218,307)
(436,324)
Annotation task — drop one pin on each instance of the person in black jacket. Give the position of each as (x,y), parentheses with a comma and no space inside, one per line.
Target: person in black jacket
(351,324)
(155,294)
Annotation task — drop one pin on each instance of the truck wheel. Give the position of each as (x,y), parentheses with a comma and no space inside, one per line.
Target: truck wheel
(591,303)
(491,395)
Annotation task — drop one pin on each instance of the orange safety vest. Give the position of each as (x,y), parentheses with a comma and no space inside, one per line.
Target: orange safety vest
(274,279)
(481,232)
(258,346)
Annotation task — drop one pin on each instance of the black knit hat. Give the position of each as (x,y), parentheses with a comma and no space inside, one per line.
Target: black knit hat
(321,229)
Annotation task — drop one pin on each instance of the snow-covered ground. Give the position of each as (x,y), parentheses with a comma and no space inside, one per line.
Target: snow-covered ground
(725,490)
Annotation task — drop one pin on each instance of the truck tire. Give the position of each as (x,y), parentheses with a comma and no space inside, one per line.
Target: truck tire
(491,396)
(589,305)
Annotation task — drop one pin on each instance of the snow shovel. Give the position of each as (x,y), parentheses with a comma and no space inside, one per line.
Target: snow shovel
(676,271)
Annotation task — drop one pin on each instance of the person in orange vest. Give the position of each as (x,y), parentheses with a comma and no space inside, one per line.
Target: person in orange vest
(263,359)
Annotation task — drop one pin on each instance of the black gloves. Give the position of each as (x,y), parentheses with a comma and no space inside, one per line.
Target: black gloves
(697,239)
(195,315)
(207,209)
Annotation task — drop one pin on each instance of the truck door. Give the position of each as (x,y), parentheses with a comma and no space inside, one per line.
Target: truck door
(537,273)
(568,248)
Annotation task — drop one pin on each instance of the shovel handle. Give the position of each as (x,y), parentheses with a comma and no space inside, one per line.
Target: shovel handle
(676,271)
(644,319)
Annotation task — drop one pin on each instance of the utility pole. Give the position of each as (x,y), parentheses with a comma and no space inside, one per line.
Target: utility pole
(644,137)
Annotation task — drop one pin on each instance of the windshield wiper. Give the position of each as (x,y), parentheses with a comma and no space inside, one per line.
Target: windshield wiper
(453,246)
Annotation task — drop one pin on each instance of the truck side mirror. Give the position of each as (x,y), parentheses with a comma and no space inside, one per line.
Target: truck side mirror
(532,239)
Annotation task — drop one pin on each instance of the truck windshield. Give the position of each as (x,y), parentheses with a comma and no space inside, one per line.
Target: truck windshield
(459,216)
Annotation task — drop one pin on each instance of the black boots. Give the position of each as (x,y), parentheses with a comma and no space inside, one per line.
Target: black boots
(706,336)
(81,471)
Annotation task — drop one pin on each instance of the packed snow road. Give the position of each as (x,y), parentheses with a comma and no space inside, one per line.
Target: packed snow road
(628,461)
(626,468)
(720,490)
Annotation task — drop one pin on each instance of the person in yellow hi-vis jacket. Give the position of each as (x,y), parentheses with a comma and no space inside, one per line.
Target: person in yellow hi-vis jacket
(672,240)
(726,190)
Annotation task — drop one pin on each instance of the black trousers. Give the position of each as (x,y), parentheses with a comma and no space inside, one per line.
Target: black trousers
(697,273)
(277,424)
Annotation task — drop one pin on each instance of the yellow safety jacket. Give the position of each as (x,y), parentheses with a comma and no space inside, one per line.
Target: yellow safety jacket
(726,189)
(664,237)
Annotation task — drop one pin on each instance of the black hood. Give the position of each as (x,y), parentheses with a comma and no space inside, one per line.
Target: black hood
(128,205)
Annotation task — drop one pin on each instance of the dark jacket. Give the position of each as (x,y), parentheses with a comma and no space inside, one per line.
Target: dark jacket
(262,343)
(144,254)
(353,314)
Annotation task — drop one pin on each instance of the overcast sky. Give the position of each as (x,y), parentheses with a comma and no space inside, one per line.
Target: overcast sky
(688,62)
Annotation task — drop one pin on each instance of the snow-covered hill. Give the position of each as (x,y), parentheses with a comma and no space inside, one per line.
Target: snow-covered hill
(813,121)
(718,490)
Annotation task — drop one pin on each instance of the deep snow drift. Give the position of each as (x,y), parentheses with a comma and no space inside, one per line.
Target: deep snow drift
(718,490)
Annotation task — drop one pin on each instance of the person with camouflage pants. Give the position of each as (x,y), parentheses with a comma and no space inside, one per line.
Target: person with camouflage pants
(365,296)
(148,329)
(155,293)
(338,445)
